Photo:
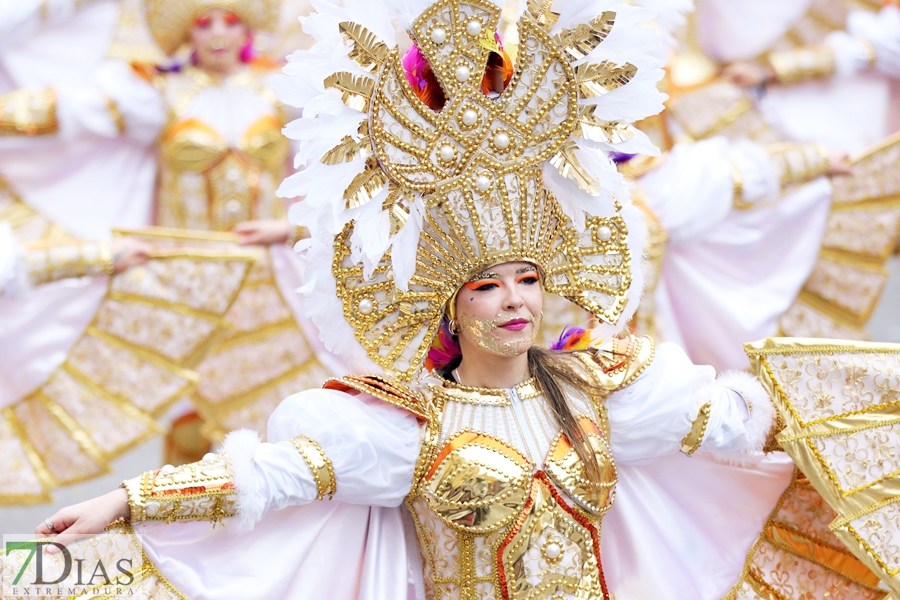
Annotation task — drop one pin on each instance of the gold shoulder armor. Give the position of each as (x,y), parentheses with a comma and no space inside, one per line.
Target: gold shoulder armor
(616,364)
(383,388)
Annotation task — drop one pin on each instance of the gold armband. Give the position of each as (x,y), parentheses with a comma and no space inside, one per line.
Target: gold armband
(793,66)
(319,464)
(28,112)
(52,261)
(737,183)
(694,438)
(796,163)
(871,55)
(115,115)
(200,491)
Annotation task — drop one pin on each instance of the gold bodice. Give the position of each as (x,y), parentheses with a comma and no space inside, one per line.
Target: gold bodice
(206,180)
(501,502)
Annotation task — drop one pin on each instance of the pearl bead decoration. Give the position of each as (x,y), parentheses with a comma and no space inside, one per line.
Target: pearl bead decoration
(167,470)
(470,117)
(604,233)
(462,74)
(473,28)
(438,35)
(447,153)
(366,306)
(501,141)
(483,183)
(552,551)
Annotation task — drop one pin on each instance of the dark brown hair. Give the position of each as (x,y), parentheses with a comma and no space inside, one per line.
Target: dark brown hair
(549,369)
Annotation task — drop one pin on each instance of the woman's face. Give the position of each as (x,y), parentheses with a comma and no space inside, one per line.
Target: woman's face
(499,311)
(217,37)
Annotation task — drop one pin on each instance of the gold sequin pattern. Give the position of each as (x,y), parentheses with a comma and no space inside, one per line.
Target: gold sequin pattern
(52,261)
(693,439)
(28,112)
(201,491)
(319,465)
(840,404)
(801,64)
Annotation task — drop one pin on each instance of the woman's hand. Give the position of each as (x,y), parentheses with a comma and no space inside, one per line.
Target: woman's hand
(748,74)
(839,165)
(87,518)
(129,253)
(263,233)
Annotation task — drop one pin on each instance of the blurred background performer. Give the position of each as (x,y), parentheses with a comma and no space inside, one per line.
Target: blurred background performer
(738,217)
(222,156)
(79,129)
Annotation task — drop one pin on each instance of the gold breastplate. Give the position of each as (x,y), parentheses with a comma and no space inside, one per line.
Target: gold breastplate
(207,183)
(191,145)
(493,525)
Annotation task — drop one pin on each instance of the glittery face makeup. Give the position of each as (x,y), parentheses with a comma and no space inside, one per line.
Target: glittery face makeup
(499,309)
(491,335)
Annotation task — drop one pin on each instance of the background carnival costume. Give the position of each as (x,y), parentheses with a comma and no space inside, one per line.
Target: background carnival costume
(747,239)
(94,129)
(66,412)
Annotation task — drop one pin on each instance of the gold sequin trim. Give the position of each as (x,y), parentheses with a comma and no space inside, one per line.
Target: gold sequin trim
(694,438)
(485,396)
(793,66)
(117,117)
(796,163)
(319,465)
(383,388)
(200,491)
(28,112)
(52,261)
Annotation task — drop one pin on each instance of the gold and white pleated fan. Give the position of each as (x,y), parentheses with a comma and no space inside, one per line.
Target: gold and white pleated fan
(523,176)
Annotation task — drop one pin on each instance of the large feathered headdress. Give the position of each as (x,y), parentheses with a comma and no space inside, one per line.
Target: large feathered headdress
(405,204)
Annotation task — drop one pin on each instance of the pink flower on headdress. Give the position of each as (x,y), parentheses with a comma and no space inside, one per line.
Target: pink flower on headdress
(444,349)
(415,65)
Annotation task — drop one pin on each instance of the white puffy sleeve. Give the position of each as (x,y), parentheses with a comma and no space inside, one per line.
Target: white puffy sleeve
(112,102)
(9,259)
(698,184)
(322,444)
(675,405)
(115,102)
(882,31)
(369,446)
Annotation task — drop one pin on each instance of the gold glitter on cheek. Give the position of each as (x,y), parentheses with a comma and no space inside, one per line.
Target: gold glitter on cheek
(487,334)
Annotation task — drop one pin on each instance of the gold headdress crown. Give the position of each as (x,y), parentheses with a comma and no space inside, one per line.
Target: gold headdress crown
(170,20)
(471,181)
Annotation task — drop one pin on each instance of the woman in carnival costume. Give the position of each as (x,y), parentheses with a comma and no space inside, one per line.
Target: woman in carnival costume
(455,218)
(219,157)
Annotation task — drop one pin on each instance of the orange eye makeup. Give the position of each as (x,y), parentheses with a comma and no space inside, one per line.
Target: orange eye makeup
(481,284)
(203,22)
(533,277)
(232,19)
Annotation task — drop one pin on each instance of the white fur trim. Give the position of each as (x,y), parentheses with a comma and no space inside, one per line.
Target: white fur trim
(241,447)
(762,415)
